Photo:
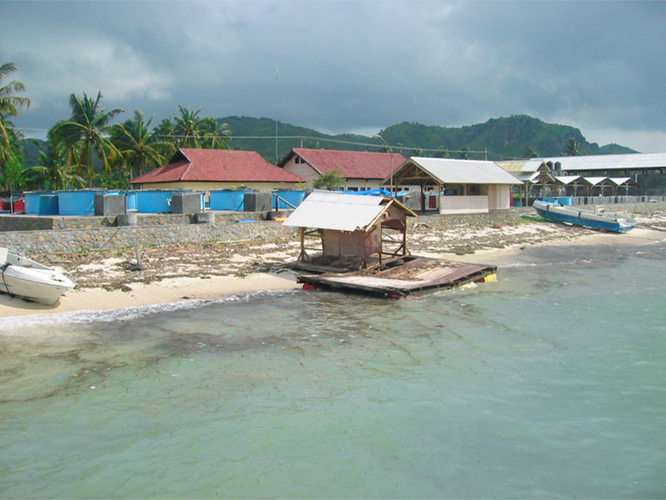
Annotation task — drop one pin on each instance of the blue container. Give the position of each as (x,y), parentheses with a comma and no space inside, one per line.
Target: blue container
(131,201)
(48,204)
(564,201)
(153,202)
(227,200)
(76,202)
(32,202)
(294,198)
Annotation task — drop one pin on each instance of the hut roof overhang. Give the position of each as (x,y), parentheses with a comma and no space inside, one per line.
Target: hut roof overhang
(341,212)
(426,171)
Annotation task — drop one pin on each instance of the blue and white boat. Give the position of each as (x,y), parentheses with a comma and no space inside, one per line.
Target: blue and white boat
(597,218)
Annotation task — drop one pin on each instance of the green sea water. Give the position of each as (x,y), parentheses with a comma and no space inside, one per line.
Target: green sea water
(548,383)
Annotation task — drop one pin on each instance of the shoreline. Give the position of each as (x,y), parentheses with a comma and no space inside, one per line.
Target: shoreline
(170,290)
(262,269)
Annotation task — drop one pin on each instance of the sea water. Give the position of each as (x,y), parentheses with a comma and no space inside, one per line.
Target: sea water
(548,383)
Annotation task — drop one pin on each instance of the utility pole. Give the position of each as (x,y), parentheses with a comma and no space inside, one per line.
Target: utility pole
(391,150)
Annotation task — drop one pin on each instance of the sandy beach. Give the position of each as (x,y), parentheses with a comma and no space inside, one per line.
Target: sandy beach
(111,280)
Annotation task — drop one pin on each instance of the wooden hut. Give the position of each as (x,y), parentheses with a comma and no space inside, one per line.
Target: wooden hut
(344,232)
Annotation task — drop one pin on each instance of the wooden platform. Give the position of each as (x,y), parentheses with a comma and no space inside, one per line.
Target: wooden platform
(414,275)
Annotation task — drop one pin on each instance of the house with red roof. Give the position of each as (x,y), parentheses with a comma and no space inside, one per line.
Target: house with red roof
(208,170)
(361,170)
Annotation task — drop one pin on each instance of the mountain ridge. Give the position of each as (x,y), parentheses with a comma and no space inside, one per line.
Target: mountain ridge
(496,139)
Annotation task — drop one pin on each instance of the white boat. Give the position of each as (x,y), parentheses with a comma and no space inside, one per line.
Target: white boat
(31,280)
(597,218)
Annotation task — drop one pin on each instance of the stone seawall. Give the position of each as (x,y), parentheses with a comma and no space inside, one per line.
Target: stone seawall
(91,239)
(79,234)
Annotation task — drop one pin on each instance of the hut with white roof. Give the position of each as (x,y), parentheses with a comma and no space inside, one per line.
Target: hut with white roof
(341,232)
(451,186)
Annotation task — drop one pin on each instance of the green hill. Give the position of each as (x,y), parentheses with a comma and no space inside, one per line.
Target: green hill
(499,138)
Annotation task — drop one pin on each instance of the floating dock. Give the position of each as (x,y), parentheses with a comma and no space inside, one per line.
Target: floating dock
(411,275)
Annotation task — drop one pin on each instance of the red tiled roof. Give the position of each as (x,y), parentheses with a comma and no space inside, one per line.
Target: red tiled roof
(217,165)
(354,164)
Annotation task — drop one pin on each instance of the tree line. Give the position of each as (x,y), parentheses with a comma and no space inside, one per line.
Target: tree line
(86,150)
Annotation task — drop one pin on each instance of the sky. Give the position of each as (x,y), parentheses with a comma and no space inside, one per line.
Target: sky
(349,66)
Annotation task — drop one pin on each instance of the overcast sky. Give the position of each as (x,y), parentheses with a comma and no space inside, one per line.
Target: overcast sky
(349,66)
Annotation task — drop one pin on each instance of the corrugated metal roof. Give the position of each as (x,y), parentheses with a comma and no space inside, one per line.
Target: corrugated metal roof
(452,171)
(621,180)
(595,180)
(514,166)
(634,161)
(337,211)
(568,179)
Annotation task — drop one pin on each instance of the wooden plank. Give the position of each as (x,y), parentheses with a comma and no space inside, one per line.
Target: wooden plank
(410,278)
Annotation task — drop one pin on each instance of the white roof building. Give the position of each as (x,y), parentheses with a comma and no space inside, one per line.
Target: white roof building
(456,186)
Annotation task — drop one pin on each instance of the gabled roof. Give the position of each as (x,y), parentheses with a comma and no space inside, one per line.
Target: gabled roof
(340,212)
(572,180)
(354,164)
(452,171)
(633,161)
(595,181)
(622,180)
(217,165)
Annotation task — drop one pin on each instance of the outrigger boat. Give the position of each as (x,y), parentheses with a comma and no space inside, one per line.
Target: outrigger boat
(597,218)
(31,280)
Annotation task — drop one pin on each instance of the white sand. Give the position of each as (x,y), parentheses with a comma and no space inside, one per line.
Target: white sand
(180,289)
(163,292)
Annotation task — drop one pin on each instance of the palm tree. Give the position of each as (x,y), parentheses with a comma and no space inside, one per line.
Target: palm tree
(191,130)
(138,147)
(85,128)
(220,137)
(570,147)
(54,170)
(9,103)
(530,152)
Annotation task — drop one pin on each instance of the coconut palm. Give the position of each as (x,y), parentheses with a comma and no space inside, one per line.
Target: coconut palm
(139,149)
(191,130)
(530,152)
(54,170)
(9,105)
(85,129)
(570,147)
(220,137)
(463,154)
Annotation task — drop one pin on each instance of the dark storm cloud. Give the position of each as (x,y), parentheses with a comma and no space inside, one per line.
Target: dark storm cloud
(344,66)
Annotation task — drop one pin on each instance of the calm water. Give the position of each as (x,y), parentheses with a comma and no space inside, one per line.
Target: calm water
(549,383)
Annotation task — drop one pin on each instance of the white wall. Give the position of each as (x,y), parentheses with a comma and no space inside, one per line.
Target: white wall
(499,196)
(463,204)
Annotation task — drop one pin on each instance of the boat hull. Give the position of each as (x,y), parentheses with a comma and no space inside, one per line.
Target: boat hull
(573,215)
(32,281)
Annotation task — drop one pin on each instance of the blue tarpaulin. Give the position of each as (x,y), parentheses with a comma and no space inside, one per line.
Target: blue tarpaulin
(371,192)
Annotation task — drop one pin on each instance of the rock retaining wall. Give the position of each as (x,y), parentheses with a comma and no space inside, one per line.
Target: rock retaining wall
(77,234)
(91,239)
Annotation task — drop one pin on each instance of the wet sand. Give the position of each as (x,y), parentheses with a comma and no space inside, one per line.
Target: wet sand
(111,280)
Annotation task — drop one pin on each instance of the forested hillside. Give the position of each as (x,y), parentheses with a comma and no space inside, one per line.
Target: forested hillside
(518,136)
